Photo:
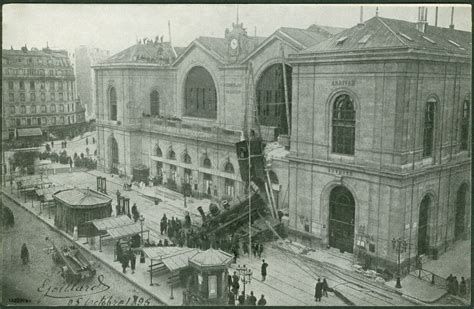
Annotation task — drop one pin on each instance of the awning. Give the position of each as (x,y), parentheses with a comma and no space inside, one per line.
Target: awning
(111,222)
(125,231)
(174,258)
(29,132)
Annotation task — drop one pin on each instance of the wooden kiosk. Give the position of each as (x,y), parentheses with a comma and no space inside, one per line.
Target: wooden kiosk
(208,281)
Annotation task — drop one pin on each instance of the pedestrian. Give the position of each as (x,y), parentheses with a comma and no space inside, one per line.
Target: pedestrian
(260,250)
(264,270)
(242,299)
(262,301)
(52,143)
(24,254)
(325,287)
(133,260)
(124,262)
(455,286)
(235,283)
(318,290)
(255,249)
(230,298)
(135,212)
(160,243)
(70,162)
(252,299)
(229,282)
(462,288)
(449,283)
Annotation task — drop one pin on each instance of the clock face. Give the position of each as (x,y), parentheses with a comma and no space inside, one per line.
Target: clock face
(234,43)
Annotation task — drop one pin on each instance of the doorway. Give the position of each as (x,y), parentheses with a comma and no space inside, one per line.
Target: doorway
(341,219)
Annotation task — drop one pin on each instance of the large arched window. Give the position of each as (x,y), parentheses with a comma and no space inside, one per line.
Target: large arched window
(200,96)
(206,163)
(343,125)
(270,93)
(154,103)
(186,158)
(158,152)
(465,124)
(229,168)
(171,155)
(113,103)
(428,127)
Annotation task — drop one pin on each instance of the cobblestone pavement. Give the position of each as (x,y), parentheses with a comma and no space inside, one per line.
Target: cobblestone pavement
(40,282)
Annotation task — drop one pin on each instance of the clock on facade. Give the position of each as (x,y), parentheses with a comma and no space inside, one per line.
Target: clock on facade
(234,43)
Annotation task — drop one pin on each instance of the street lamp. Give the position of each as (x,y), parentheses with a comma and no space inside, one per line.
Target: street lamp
(400,245)
(245,274)
(142,219)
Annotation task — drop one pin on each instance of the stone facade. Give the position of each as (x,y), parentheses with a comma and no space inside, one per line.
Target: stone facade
(387,175)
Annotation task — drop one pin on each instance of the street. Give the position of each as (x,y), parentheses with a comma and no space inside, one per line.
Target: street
(40,282)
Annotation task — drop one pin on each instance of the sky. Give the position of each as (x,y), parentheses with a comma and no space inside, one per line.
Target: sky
(115,27)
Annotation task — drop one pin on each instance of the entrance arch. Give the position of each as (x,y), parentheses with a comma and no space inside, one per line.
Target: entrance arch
(270,92)
(459,223)
(423,217)
(341,219)
(114,156)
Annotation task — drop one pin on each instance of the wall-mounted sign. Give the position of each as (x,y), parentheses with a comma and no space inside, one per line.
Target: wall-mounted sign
(339,171)
(233,85)
(343,82)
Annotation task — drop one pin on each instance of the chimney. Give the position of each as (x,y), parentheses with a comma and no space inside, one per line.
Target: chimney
(436,17)
(451,26)
(361,20)
(169,30)
(422,16)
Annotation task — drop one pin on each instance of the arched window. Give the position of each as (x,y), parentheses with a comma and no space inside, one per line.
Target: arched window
(207,163)
(428,128)
(465,124)
(423,222)
(229,168)
(171,155)
(200,96)
(113,103)
(158,152)
(270,97)
(187,159)
(154,103)
(343,125)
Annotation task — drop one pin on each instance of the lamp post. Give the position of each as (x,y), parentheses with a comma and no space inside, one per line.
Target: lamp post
(245,274)
(399,244)
(142,219)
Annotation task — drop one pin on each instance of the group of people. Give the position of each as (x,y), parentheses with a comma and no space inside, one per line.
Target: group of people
(321,289)
(455,287)
(126,258)
(242,299)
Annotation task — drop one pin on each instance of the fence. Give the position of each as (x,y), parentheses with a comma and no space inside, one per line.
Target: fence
(432,278)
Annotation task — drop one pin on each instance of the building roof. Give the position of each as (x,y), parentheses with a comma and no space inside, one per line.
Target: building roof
(327,29)
(125,230)
(82,198)
(28,132)
(211,258)
(307,37)
(151,52)
(385,33)
(104,224)
(220,46)
(46,57)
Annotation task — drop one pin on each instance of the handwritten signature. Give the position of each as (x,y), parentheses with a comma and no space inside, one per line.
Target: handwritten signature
(73,289)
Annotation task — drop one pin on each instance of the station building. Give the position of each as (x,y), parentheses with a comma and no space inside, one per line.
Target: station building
(180,111)
(380,141)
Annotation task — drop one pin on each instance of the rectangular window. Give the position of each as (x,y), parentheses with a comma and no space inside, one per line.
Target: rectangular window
(22,85)
(53,96)
(60,85)
(43,97)
(33,109)
(43,108)
(22,97)
(32,85)
(52,108)
(11,97)
(42,85)
(10,85)
(32,96)
(61,108)
(51,85)
(53,120)
(23,109)
(28,121)
(43,120)
(12,109)
(18,122)
(23,121)
(60,96)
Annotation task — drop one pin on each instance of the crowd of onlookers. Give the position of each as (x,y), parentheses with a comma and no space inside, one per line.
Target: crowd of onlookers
(456,287)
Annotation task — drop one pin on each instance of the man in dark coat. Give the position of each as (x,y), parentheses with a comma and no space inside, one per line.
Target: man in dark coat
(264,270)
(133,260)
(455,286)
(235,283)
(230,298)
(318,290)
(163,224)
(262,301)
(252,299)
(124,262)
(462,288)
(260,250)
(242,299)
(24,254)
(325,287)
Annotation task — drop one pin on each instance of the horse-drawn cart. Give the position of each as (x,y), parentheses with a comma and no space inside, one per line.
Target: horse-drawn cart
(74,266)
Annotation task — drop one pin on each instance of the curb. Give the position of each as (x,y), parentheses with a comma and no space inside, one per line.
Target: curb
(53,228)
